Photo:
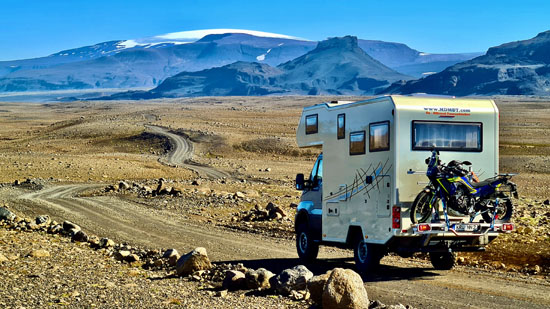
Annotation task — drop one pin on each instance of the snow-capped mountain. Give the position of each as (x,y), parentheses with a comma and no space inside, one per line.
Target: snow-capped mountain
(146,62)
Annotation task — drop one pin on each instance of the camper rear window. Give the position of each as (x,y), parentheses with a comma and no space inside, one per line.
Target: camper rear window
(341,126)
(312,126)
(454,136)
(357,143)
(379,139)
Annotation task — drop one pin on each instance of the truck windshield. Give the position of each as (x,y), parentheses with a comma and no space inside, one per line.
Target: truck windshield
(455,136)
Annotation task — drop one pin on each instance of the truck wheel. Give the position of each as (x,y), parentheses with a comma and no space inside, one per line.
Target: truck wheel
(367,256)
(442,260)
(307,248)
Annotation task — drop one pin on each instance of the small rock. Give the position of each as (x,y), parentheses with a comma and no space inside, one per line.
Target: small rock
(258,279)
(234,280)
(193,261)
(196,182)
(291,279)
(106,243)
(39,253)
(546,202)
(132,258)
(345,289)
(170,252)
(239,194)
(123,185)
(68,226)
(40,220)
(173,260)
(55,229)
(537,269)
(122,255)
(6,214)
(79,236)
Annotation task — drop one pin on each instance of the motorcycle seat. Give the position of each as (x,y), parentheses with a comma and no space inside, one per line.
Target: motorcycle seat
(482,183)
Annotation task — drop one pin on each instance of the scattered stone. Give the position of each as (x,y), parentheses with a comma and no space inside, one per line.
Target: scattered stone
(258,279)
(239,194)
(170,252)
(79,236)
(196,182)
(234,280)
(193,261)
(122,255)
(316,286)
(93,241)
(6,214)
(300,295)
(291,279)
(68,226)
(42,220)
(546,202)
(40,253)
(345,289)
(132,258)
(123,185)
(55,229)
(16,182)
(537,269)
(106,243)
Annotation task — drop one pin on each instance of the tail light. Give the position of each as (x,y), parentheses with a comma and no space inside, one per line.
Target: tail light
(424,227)
(508,227)
(396,217)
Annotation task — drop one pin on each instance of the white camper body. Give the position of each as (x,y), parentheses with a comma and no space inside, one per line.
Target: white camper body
(373,163)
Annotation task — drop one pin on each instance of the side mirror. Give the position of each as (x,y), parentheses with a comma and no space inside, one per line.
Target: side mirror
(300,182)
(467,163)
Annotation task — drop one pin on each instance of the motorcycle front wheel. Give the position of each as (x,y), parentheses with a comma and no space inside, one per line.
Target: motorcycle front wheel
(421,208)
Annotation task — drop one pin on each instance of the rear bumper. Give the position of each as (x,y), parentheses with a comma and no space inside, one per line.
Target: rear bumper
(434,237)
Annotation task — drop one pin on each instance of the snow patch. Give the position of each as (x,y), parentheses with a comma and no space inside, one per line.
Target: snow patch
(424,54)
(262,56)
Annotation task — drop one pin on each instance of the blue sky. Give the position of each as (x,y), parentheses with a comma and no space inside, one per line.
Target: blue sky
(42,27)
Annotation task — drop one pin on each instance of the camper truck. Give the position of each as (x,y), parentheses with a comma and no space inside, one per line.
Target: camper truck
(372,166)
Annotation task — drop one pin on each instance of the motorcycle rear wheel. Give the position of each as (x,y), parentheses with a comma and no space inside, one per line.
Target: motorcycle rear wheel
(504,211)
(421,209)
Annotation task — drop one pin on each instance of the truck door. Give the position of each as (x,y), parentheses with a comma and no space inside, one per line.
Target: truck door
(314,194)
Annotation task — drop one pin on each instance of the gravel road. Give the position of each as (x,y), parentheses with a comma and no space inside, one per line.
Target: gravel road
(182,152)
(398,281)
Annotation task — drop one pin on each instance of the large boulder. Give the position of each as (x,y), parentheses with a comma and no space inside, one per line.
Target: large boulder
(345,289)
(42,220)
(291,279)
(6,214)
(316,286)
(79,235)
(68,226)
(192,262)
(258,279)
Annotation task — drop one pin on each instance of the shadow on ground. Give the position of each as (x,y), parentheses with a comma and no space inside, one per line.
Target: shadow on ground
(383,273)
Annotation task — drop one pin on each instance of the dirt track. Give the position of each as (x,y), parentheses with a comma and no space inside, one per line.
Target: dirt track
(398,281)
(182,152)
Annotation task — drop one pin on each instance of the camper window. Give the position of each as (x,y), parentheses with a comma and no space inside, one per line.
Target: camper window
(454,136)
(379,136)
(341,126)
(357,143)
(311,124)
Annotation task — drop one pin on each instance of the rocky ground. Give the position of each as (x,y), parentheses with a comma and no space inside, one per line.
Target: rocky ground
(106,148)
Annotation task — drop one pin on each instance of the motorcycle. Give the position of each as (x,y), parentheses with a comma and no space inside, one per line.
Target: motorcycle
(460,195)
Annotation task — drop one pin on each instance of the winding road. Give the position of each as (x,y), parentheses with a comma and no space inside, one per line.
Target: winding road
(182,152)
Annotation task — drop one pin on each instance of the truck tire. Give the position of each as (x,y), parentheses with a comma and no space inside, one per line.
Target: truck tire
(367,256)
(443,260)
(306,247)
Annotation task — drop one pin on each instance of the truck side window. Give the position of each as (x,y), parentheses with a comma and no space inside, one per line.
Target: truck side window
(341,126)
(357,143)
(379,136)
(317,171)
(312,125)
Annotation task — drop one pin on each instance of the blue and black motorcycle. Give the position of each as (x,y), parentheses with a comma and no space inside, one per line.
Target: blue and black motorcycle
(452,186)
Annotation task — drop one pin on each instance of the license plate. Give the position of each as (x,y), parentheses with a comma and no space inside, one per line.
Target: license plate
(465,228)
